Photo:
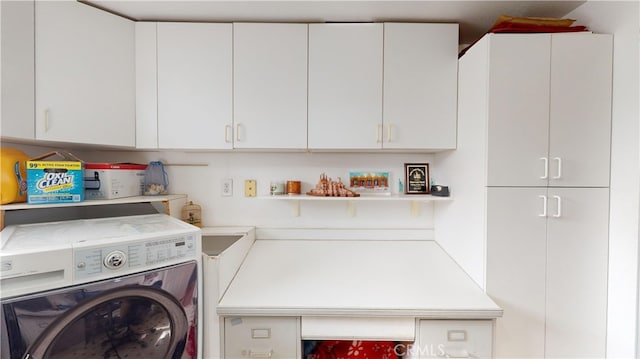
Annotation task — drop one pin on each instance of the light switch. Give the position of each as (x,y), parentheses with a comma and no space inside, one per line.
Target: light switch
(250,188)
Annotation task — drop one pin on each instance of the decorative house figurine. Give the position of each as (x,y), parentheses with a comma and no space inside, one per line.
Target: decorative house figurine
(326,187)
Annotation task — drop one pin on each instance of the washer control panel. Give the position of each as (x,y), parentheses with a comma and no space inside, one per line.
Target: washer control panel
(129,256)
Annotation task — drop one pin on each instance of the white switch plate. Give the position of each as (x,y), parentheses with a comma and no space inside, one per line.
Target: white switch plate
(227,187)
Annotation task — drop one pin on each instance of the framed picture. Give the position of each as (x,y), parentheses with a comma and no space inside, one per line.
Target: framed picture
(416,178)
(370,182)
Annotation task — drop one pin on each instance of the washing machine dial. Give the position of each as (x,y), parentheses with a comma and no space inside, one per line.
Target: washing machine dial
(115,260)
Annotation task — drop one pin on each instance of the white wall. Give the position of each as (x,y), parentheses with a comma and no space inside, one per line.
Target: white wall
(621,18)
(202,181)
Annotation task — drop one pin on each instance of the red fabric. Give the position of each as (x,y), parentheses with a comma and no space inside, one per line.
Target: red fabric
(336,349)
(509,27)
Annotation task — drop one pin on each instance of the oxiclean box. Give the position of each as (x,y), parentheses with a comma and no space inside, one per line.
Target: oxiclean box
(113,180)
(55,182)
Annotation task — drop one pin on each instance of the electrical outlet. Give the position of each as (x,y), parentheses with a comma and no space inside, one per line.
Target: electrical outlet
(227,187)
(249,188)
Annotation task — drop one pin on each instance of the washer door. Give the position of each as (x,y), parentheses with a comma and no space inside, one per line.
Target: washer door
(130,321)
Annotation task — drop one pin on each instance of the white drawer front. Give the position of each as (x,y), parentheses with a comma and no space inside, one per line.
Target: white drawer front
(454,339)
(350,328)
(261,337)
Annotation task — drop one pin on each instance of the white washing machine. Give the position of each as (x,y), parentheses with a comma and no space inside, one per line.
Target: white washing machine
(121,287)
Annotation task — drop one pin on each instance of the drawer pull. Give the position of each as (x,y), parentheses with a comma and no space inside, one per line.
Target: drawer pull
(456,353)
(457,335)
(253,354)
(261,333)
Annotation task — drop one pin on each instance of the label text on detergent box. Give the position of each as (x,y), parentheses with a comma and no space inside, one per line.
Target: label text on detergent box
(55,182)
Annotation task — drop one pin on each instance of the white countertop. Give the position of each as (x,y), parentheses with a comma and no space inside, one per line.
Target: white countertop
(355,278)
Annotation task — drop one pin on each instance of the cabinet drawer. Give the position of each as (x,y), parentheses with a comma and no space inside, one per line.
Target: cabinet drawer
(455,339)
(261,337)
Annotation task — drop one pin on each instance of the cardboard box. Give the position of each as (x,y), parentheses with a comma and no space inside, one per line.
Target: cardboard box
(54,181)
(113,180)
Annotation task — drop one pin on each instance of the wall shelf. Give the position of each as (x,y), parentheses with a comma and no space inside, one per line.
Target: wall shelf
(413,199)
(162,201)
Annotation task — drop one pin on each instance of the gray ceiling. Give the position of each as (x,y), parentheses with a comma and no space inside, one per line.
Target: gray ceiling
(474,17)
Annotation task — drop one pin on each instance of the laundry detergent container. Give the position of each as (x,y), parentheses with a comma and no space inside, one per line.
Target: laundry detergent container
(13,179)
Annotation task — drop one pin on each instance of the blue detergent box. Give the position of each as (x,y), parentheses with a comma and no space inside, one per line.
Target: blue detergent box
(55,182)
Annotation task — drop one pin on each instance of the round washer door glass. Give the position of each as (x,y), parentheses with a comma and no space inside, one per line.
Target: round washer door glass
(126,322)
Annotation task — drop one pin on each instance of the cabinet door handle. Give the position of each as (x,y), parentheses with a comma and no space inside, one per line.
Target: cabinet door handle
(238,126)
(389,133)
(559,161)
(226,133)
(46,120)
(544,206)
(559,208)
(378,134)
(545,162)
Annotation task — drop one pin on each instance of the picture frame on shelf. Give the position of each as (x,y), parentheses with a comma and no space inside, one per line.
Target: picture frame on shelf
(416,178)
(370,182)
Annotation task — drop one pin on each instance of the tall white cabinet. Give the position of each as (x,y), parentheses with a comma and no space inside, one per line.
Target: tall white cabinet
(84,75)
(534,129)
(548,273)
(549,95)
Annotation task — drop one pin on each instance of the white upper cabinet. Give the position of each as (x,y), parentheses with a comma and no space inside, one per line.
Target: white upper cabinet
(270,85)
(383,86)
(420,86)
(518,100)
(580,110)
(84,75)
(17,93)
(194,85)
(345,86)
(556,129)
(146,86)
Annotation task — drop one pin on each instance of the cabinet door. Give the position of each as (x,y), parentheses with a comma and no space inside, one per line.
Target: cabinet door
(85,81)
(146,86)
(580,110)
(518,110)
(262,337)
(577,263)
(270,85)
(17,93)
(516,257)
(420,85)
(194,85)
(345,86)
